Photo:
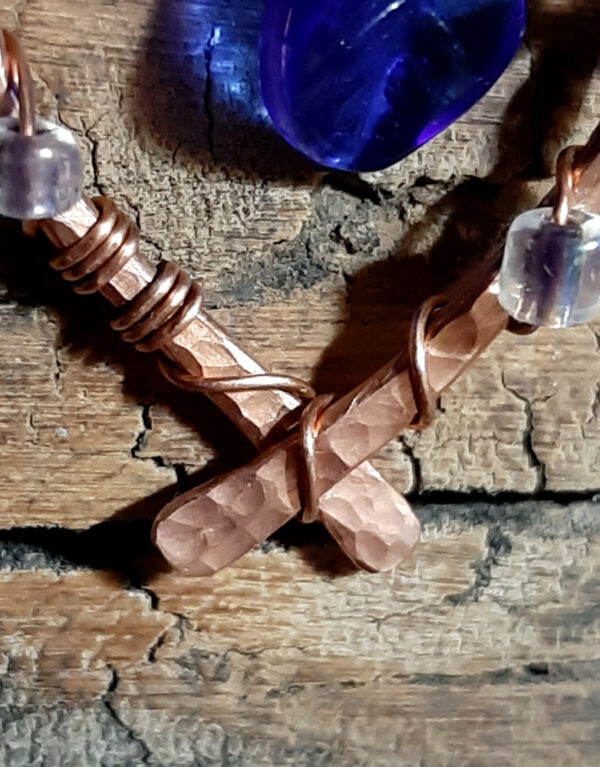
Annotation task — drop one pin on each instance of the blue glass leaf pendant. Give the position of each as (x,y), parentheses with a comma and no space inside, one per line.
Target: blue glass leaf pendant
(359,84)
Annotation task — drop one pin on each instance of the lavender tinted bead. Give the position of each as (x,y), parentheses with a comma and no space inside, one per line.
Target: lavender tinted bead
(550,274)
(40,175)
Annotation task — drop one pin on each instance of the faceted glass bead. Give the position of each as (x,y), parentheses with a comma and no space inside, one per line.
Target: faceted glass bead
(40,175)
(550,274)
(358,85)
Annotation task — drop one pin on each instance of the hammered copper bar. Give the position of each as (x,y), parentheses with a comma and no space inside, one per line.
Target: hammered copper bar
(205,527)
(375,524)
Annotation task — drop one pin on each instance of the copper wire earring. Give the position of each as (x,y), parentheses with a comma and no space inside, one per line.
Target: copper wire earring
(312,451)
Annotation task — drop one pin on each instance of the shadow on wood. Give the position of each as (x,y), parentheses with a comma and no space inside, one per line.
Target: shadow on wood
(536,124)
(208,106)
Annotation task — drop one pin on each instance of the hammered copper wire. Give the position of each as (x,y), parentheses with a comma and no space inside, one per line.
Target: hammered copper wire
(167,305)
(167,308)
(162,310)
(310,420)
(312,416)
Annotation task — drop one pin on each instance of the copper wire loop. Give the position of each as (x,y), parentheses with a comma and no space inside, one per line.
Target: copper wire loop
(17,94)
(309,426)
(229,384)
(425,397)
(310,420)
(567,177)
(16,83)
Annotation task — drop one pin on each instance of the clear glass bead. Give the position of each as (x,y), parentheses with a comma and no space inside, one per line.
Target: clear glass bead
(550,274)
(40,175)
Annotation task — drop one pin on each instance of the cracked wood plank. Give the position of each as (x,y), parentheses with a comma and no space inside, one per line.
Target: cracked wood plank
(483,649)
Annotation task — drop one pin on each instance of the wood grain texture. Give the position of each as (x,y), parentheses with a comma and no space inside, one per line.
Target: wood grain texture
(483,649)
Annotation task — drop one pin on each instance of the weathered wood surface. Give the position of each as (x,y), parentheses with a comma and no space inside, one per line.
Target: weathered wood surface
(481,651)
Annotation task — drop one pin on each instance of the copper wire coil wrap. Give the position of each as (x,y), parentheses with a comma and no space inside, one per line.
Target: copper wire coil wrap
(161,311)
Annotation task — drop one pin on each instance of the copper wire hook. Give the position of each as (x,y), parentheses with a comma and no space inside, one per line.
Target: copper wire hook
(19,83)
(567,177)
(425,397)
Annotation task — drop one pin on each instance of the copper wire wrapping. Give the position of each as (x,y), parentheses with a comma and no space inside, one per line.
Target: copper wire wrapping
(228,384)
(105,249)
(172,300)
(310,420)
(310,428)
(159,312)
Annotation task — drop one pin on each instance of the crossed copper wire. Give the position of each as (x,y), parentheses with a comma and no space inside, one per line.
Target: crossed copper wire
(312,417)
(172,300)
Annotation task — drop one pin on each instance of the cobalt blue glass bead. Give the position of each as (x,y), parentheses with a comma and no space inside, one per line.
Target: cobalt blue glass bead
(358,84)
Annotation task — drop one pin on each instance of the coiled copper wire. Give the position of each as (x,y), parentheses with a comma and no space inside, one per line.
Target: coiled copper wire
(161,311)
(104,250)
